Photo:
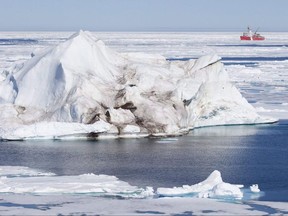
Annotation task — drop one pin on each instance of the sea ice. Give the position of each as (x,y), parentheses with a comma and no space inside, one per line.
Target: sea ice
(82,88)
(212,187)
(34,192)
(254,188)
(17,171)
(21,180)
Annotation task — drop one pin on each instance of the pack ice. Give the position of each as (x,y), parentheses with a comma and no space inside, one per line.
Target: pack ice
(24,180)
(81,89)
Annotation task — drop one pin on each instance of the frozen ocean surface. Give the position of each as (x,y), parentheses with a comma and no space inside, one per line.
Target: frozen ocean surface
(243,154)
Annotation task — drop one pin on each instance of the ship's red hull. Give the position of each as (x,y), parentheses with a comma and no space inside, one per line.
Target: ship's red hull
(252,38)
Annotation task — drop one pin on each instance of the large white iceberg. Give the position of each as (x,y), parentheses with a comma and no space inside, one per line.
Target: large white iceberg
(81,88)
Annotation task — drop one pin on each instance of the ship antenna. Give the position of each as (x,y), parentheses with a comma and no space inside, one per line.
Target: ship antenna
(256,30)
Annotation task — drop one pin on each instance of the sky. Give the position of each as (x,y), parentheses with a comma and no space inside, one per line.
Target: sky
(143,15)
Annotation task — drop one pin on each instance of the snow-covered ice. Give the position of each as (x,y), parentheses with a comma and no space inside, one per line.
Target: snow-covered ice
(254,188)
(89,205)
(19,180)
(81,87)
(38,193)
(261,80)
(212,187)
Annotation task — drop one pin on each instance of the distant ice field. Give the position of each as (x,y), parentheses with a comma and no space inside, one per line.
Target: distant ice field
(258,68)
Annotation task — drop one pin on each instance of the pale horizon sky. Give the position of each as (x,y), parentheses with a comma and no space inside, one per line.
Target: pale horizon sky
(143,15)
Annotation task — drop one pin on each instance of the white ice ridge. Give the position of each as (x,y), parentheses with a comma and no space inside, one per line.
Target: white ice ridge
(21,180)
(82,88)
(212,187)
(254,188)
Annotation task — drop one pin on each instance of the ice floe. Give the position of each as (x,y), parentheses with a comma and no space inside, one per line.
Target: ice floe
(22,180)
(212,187)
(19,180)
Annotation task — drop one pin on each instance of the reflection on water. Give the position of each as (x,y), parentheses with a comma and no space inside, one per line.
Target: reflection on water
(241,130)
(243,154)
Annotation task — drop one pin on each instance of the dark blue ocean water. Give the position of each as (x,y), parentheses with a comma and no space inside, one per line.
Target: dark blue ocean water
(243,154)
(17,41)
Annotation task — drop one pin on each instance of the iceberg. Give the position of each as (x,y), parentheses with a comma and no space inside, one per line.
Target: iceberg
(83,89)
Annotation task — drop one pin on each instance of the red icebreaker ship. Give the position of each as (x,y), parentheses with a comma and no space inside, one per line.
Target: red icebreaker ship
(249,35)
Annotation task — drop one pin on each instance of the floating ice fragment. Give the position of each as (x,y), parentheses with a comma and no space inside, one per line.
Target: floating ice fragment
(254,188)
(25,180)
(212,187)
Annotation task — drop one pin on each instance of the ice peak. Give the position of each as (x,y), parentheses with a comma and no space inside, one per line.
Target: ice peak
(64,68)
(85,35)
(215,176)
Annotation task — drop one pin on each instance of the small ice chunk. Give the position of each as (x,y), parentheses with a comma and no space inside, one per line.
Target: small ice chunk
(212,187)
(254,188)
